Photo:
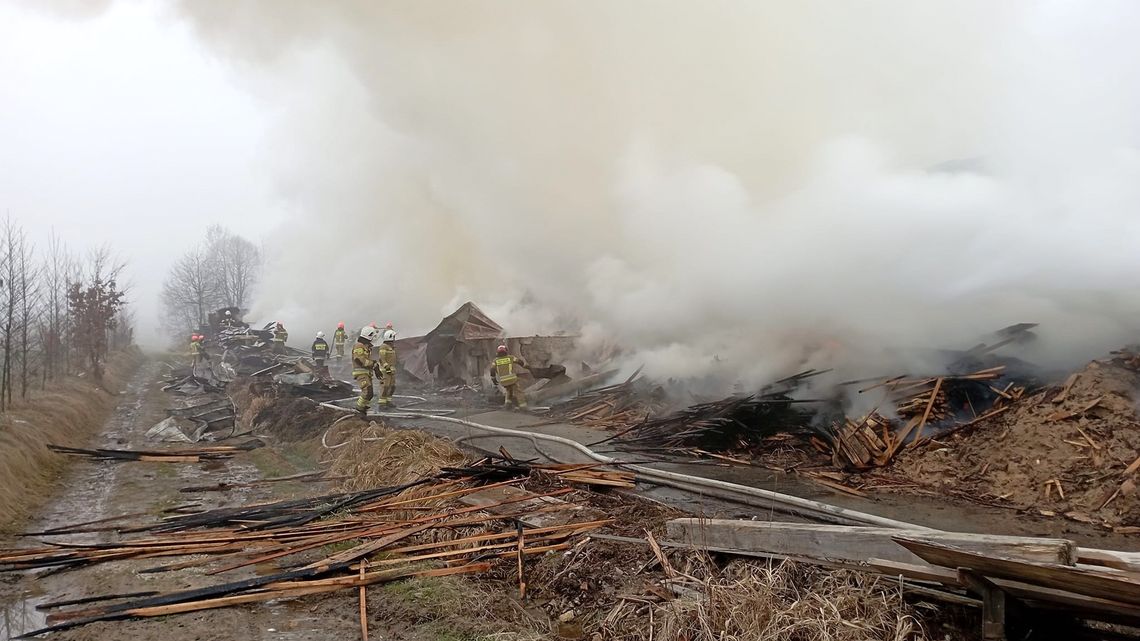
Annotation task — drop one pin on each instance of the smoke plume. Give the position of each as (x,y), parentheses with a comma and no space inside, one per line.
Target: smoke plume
(729,187)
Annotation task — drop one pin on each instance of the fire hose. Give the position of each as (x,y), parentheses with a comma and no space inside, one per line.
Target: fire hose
(712,487)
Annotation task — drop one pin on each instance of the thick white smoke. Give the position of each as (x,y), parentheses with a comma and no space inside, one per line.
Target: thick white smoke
(733,187)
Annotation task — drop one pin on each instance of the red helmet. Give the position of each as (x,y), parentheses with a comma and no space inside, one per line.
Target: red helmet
(373,324)
(502,349)
(340,325)
(389,325)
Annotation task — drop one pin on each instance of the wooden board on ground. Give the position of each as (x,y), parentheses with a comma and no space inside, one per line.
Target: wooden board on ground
(1085,581)
(546,511)
(850,543)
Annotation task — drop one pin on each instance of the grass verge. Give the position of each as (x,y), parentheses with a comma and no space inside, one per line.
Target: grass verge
(69,412)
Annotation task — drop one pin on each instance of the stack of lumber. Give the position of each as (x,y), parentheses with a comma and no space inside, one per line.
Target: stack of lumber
(861,444)
(452,523)
(181,455)
(1053,575)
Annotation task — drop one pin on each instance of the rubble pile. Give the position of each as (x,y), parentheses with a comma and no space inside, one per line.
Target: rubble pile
(925,405)
(462,520)
(1071,450)
(733,423)
(613,406)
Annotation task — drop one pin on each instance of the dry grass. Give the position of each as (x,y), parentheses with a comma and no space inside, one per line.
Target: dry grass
(754,601)
(67,413)
(377,456)
(457,608)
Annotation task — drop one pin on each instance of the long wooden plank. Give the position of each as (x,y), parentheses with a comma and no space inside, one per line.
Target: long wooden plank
(850,543)
(1080,580)
(1126,561)
(929,407)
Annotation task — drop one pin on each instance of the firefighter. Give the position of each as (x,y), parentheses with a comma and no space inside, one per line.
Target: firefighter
(339,338)
(196,350)
(503,374)
(228,320)
(320,350)
(279,338)
(363,367)
(386,359)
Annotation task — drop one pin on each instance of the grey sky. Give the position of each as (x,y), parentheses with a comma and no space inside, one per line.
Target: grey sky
(121,129)
(415,141)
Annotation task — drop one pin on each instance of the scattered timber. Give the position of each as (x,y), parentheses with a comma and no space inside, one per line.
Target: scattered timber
(182,455)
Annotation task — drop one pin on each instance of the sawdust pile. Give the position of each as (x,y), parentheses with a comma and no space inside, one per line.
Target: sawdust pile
(1063,451)
(377,456)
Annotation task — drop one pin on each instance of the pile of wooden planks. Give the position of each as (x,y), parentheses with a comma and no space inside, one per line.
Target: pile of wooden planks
(868,442)
(448,525)
(180,455)
(874,440)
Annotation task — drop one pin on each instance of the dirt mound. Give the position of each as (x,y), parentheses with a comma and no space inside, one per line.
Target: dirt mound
(264,410)
(1063,451)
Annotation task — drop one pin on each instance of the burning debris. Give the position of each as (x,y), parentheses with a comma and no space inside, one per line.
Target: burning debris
(874,440)
(736,422)
(1071,449)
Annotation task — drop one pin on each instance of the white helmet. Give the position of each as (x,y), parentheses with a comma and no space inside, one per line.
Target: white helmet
(320,334)
(369,333)
(389,335)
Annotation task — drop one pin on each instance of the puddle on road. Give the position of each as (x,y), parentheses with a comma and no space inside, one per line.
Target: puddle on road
(85,492)
(19,614)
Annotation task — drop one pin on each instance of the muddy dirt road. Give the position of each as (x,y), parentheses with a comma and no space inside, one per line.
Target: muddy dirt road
(94,490)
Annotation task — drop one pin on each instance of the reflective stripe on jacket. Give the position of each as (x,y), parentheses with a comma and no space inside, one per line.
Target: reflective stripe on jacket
(280,336)
(505,370)
(386,354)
(362,362)
(340,336)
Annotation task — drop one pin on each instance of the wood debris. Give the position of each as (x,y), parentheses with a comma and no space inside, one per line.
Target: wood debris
(392,538)
(181,455)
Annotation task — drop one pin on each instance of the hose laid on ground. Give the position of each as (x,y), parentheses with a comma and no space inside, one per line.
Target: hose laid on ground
(712,487)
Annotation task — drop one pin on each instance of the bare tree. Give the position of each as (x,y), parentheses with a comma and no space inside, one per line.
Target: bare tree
(28,312)
(58,271)
(235,262)
(190,291)
(20,305)
(219,273)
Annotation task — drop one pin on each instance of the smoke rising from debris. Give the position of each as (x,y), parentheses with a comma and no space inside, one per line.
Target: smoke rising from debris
(721,187)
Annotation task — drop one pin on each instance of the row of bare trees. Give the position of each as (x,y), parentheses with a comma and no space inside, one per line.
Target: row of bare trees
(59,313)
(219,272)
